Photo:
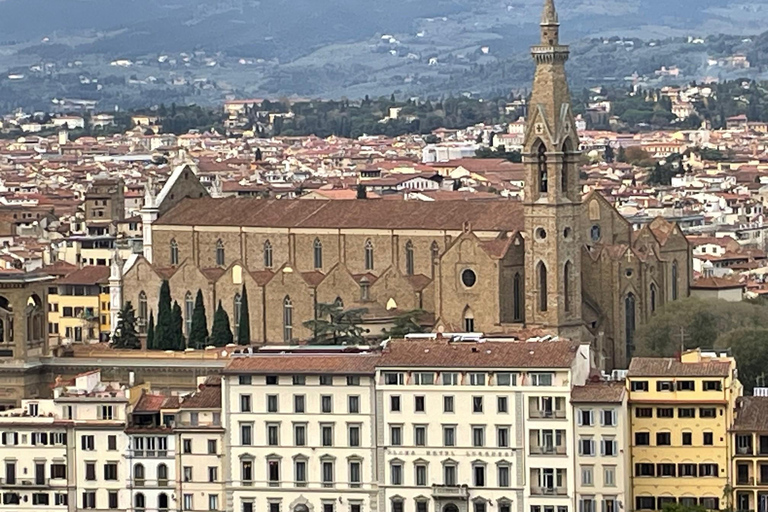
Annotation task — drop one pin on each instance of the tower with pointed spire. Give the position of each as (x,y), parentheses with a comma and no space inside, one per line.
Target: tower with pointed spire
(552,193)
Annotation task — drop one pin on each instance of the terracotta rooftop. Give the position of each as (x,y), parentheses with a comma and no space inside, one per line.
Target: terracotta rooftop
(88,275)
(670,367)
(302,363)
(602,392)
(207,397)
(716,283)
(501,215)
(751,414)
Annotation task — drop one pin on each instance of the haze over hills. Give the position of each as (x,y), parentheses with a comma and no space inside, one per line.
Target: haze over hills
(211,48)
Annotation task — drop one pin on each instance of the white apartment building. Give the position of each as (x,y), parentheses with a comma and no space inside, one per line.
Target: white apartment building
(602,447)
(300,432)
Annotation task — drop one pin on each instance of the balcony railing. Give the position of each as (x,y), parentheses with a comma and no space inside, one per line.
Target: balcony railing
(744,450)
(460,492)
(548,450)
(27,482)
(546,414)
(549,491)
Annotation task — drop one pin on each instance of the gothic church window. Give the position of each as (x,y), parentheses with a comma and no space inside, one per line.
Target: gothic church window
(517,292)
(653,297)
(287,319)
(174,252)
(368,255)
(238,306)
(267,254)
(565,170)
(220,253)
(409,263)
(189,309)
(542,165)
(318,253)
(143,312)
(567,286)
(674,280)
(542,274)
(629,323)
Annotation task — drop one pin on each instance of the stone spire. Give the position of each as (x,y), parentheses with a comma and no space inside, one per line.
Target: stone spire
(549,15)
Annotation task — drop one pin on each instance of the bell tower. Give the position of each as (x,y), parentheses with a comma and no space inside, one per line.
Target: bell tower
(552,197)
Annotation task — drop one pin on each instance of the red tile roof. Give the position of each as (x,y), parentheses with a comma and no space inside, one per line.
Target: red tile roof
(303,363)
(89,275)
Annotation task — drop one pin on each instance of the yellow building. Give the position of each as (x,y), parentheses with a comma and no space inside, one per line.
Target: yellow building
(681,412)
(749,442)
(79,310)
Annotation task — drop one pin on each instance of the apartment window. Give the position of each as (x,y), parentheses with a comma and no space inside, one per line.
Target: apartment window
(477,379)
(245,403)
(450,378)
(110,471)
(186,446)
(273,473)
(394,403)
(90,471)
(420,470)
(272,380)
(187,473)
(707,412)
(609,504)
(420,435)
(353,404)
(327,435)
(663,439)
(327,473)
(40,498)
(246,471)
(665,412)
(60,499)
(477,404)
(449,474)
(396,473)
(644,469)
(87,443)
(639,385)
(503,475)
(644,412)
(541,379)
(326,402)
(395,435)
(449,436)
(709,503)
(419,404)
(244,380)
(686,412)
(246,434)
(608,418)
(447,404)
(587,476)
(111,443)
(502,404)
(712,385)
(299,380)
(708,439)
(608,447)
(354,435)
(645,503)
(502,437)
(213,474)
(394,378)
(89,499)
(106,412)
(687,469)
(687,439)
(212,447)
(213,502)
(299,403)
(299,434)
(354,474)
(478,474)
(686,385)
(353,380)
(300,473)
(609,476)
(665,385)
(273,435)
(478,436)
(587,504)
(586,446)
(424,378)
(187,501)
(271,403)
(58,471)
(665,469)
(506,379)
(585,417)
(112,502)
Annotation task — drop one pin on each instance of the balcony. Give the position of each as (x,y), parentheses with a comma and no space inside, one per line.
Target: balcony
(456,492)
(547,414)
(29,483)
(549,491)
(548,450)
(744,450)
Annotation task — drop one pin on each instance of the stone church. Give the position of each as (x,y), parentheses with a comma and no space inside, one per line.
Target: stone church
(558,262)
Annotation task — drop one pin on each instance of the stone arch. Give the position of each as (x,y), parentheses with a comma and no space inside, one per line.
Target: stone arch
(541,275)
(35,318)
(541,166)
(468,319)
(6,320)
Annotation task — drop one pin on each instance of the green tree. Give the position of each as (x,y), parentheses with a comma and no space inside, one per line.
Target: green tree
(198,332)
(178,328)
(221,333)
(125,332)
(333,325)
(361,191)
(749,346)
(622,156)
(164,329)
(244,329)
(407,323)
(151,340)
(679,507)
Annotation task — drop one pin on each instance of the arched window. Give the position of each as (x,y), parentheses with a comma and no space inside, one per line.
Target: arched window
(542,273)
(174,252)
(162,474)
(143,312)
(629,323)
(368,255)
(138,472)
(287,319)
(653,297)
(674,280)
(238,306)
(267,254)
(567,286)
(189,311)
(162,502)
(220,253)
(139,502)
(517,291)
(469,320)
(542,164)
(339,302)
(318,250)
(409,264)
(564,171)
(434,252)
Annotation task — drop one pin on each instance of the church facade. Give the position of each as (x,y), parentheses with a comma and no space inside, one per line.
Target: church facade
(557,262)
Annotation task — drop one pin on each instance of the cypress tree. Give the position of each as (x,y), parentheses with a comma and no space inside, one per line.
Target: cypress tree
(151,332)
(198,332)
(164,328)
(125,331)
(221,333)
(244,329)
(178,328)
